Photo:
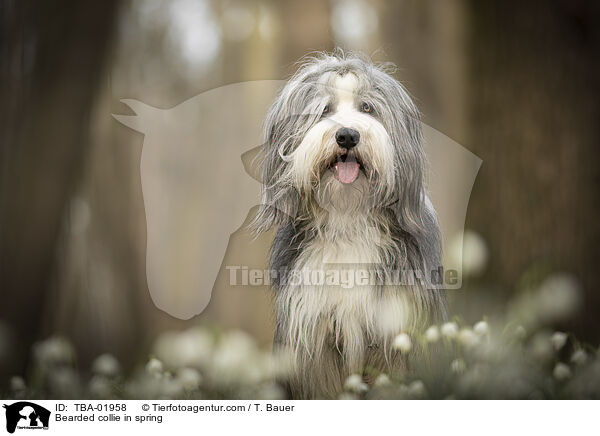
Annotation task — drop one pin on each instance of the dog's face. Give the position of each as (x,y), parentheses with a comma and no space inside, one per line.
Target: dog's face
(347,157)
(342,136)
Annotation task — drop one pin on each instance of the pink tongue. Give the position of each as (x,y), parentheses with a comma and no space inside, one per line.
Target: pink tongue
(346,172)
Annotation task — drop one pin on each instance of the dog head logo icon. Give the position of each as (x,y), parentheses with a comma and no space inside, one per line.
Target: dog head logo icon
(26,415)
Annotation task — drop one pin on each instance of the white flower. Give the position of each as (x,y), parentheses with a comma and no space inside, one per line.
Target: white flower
(520,332)
(189,348)
(54,350)
(143,387)
(579,357)
(99,387)
(557,297)
(561,372)
(388,320)
(382,380)
(402,342)
(458,366)
(106,365)
(189,378)
(17,384)
(559,339)
(154,367)
(449,330)
(481,328)
(354,383)
(541,346)
(432,334)
(470,251)
(417,389)
(64,382)
(468,338)
(237,360)
(171,387)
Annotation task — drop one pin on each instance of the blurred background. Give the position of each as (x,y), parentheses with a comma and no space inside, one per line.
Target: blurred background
(514,82)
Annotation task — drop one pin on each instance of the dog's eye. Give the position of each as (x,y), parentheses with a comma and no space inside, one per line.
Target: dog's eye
(325,110)
(366,107)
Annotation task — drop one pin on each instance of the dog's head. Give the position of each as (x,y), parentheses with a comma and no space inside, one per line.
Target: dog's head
(344,136)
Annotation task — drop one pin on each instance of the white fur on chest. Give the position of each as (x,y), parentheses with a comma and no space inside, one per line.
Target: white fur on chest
(355,313)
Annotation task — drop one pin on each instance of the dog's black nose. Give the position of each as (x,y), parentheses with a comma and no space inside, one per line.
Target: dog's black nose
(347,138)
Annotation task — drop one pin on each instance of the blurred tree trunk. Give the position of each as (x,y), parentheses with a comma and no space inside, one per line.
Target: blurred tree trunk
(427,41)
(534,112)
(305,28)
(51,60)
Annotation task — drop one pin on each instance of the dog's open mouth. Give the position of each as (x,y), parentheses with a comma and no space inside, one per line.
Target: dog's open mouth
(346,167)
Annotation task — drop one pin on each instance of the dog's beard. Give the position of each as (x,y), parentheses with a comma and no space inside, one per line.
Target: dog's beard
(334,196)
(342,181)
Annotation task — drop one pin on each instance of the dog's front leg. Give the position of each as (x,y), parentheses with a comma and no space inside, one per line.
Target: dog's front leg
(318,367)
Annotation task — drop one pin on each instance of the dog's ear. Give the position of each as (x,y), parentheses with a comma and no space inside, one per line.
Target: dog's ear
(413,209)
(424,231)
(278,207)
(279,200)
(424,254)
(402,121)
(429,241)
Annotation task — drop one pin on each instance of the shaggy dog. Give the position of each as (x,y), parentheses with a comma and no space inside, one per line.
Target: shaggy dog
(344,180)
